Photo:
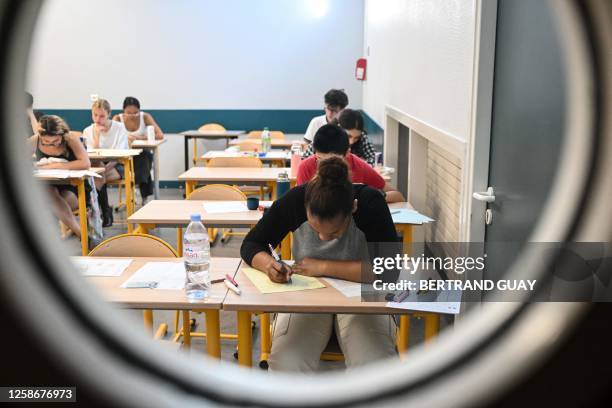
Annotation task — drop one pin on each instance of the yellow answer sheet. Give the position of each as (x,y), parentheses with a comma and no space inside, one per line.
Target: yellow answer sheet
(265,285)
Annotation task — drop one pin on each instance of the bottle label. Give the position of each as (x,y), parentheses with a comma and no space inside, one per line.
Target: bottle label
(192,254)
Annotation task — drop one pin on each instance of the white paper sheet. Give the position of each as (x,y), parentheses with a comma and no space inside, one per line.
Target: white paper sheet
(101,267)
(406,216)
(446,301)
(348,289)
(63,174)
(168,275)
(225,207)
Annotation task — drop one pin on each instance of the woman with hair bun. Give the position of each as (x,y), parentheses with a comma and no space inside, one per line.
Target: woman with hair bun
(333,224)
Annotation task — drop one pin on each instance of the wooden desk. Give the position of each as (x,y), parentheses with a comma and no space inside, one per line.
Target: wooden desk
(278,157)
(110,289)
(324,300)
(211,135)
(276,143)
(153,146)
(125,157)
(235,175)
(79,183)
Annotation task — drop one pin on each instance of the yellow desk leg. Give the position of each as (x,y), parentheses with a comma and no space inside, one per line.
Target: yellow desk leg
(245,341)
(129,193)
(213,333)
(148,320)
(189,186)
(264,330)
(143,228)
(432,326)
(407,237)
(83,216)
(403,335)
(286,247)
(186,329)
(272,187)
(179,241)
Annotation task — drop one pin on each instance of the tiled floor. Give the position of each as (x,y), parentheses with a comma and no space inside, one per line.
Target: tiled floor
(228,320)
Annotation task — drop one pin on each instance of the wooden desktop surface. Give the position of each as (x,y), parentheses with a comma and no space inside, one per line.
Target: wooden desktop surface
(235,174)
(164,299)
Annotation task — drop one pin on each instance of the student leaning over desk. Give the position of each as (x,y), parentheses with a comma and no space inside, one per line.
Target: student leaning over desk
(53,140)
(332,221)
(331,140)
(105,133)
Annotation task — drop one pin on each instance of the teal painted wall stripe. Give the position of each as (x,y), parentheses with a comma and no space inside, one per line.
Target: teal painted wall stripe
(178,120)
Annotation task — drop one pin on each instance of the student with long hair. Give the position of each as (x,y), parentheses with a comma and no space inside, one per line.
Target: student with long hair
(136,122)
(334,223)
(56,148)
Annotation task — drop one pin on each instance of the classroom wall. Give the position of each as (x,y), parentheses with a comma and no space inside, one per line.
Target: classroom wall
(245,64)
(420,60)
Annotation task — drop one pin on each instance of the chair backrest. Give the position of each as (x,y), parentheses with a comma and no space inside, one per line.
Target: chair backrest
(250,146)
(217,192)
(235,162)
(211,127)
(134,245)
(274,134)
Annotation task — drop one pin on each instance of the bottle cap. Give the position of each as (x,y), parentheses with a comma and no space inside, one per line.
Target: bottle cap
(196,217)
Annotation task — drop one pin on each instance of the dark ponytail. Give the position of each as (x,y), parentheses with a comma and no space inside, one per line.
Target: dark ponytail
(330,192)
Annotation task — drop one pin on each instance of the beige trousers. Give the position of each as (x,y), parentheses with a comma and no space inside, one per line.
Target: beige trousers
(298,339)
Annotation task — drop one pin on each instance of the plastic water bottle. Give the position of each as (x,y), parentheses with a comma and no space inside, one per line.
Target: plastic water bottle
(196,254)
(296,158)
(283,184)
(266,140)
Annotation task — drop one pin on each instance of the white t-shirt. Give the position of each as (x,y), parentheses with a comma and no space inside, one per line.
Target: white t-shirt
(315,124)
(115,138)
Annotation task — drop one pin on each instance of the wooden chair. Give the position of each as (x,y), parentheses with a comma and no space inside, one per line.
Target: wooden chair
(274,134)
(205,128)
(138,245)
(241,162)
(219,192)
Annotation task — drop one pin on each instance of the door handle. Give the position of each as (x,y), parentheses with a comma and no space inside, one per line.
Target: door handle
(488,196)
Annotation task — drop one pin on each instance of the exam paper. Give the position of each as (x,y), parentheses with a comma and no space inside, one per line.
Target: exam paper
(265,285)
(225,207)
(101,267)
(168,275)
(446,301)
(347,288)
(406,216)
(63,174)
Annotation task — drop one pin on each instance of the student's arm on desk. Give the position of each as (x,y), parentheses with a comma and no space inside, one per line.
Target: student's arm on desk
(347,270)
(284,216)
(392,195)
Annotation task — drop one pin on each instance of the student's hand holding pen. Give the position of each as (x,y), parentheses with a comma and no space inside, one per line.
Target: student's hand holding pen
(278,272)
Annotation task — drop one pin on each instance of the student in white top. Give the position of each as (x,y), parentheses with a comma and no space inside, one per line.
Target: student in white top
(136,122)
(335,102)
(105,133)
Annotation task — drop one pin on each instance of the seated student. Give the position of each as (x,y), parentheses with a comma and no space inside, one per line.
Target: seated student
(335,101)
(352,122)
(331,140)
(136,122)
(53,140)
(332,222)
(105,133)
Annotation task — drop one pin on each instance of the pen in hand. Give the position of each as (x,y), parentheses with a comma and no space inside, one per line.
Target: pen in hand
(284,267)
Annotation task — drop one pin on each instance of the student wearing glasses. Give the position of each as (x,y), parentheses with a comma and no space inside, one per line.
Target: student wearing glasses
(56,147)
(105,133)
(335,101)
(336,227)
(331,140)
(136,122)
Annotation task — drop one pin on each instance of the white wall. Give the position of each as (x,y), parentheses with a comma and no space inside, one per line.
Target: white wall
(421,60)
(196,54)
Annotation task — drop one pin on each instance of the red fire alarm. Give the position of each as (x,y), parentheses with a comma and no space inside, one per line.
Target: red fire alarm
(360,69)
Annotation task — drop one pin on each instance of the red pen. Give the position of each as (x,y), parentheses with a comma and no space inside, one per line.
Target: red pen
(229,278)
